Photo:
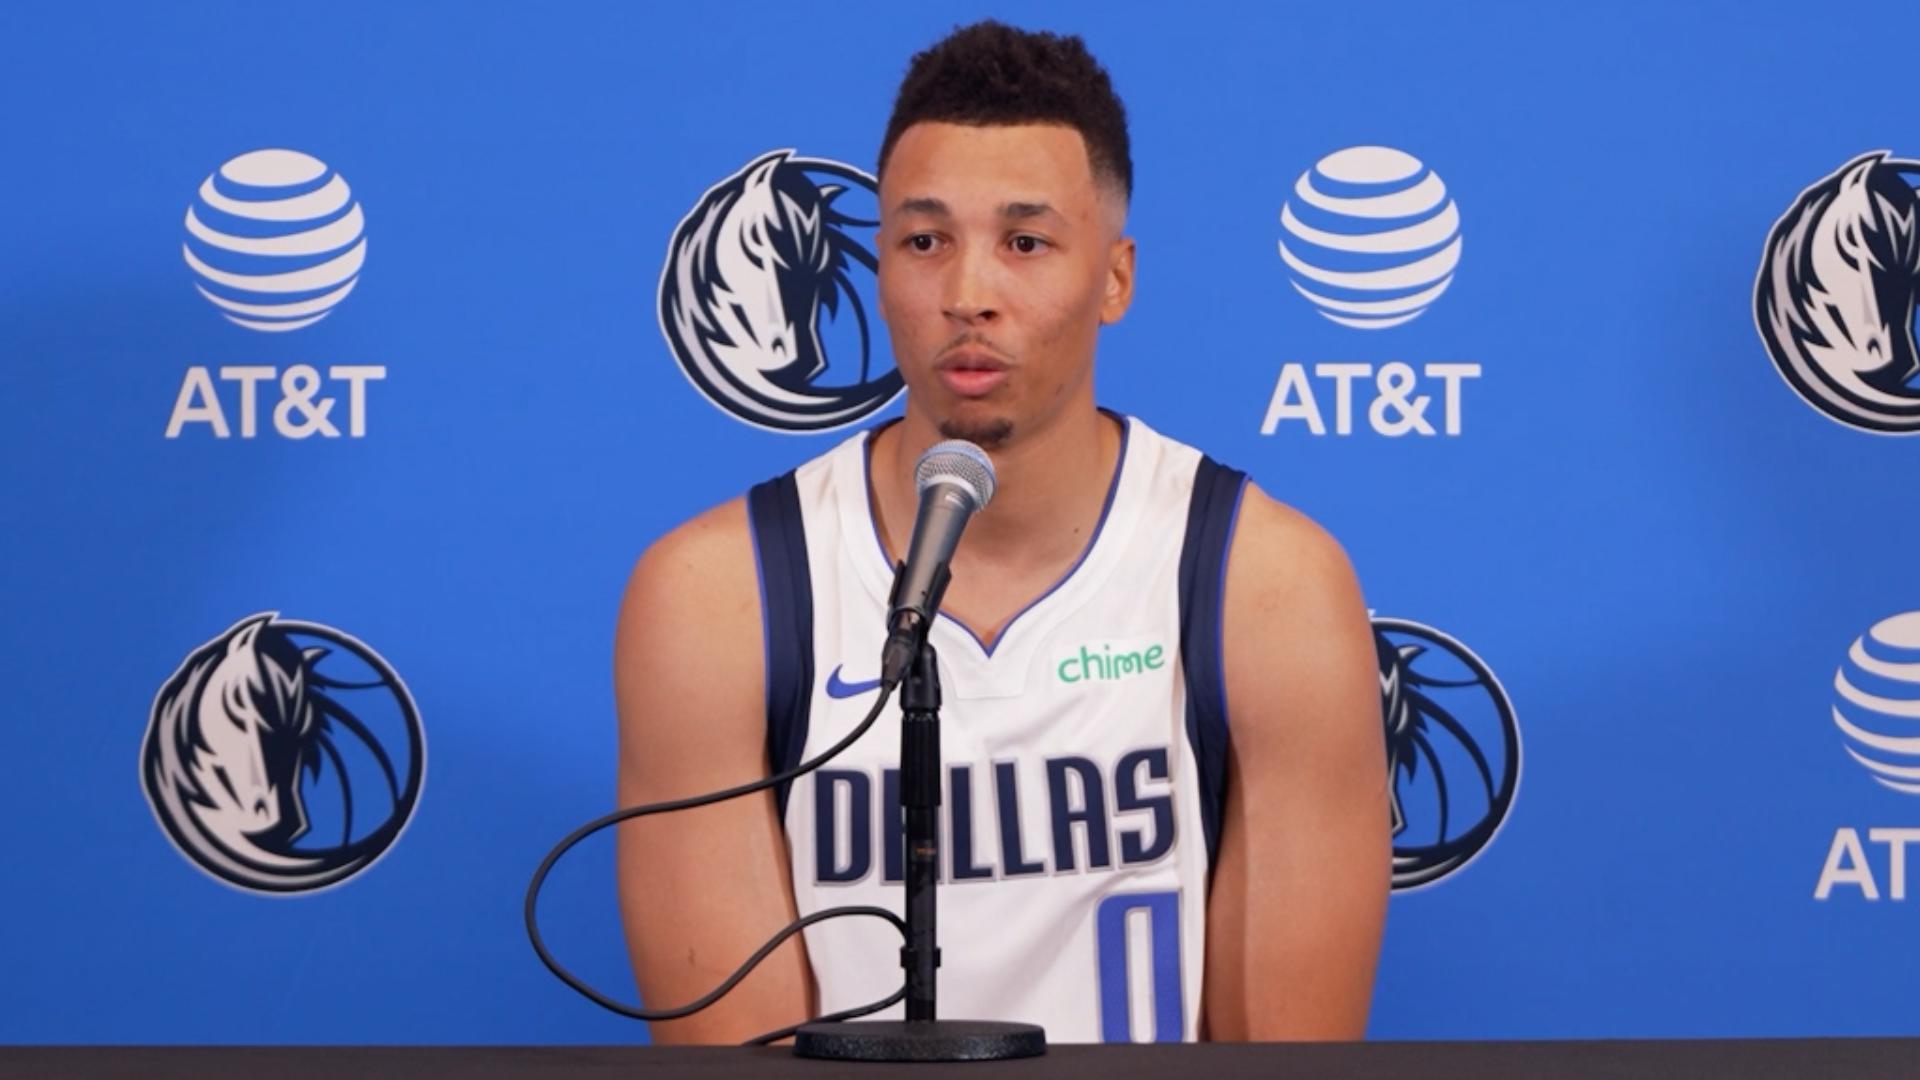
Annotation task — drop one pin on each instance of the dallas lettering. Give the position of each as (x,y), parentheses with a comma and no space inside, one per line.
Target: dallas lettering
(1082,833)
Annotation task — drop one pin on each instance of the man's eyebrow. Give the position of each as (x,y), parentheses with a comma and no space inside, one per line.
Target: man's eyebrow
(1013,211)
(1024,211)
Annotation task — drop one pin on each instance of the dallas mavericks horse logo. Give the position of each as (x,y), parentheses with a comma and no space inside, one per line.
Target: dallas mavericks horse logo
(1834,300)
(1453,750)
(261,773)
(751,269)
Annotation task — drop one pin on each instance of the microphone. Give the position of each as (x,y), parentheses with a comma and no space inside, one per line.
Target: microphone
(955,479)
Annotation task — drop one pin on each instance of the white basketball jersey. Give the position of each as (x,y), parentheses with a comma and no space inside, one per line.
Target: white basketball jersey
(1084,753)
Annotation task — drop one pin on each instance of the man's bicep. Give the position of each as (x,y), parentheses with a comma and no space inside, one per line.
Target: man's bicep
(701,889)
(688,673)
(1300,892)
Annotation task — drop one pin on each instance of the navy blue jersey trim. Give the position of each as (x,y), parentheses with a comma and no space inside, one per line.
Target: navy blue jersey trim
(1211,517)
(786,619)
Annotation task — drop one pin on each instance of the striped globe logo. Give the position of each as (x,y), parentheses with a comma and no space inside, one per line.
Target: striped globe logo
(1877,702)
(275,239)
(1372,236)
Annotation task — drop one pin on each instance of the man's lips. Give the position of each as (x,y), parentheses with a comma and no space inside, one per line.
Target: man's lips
(971,374)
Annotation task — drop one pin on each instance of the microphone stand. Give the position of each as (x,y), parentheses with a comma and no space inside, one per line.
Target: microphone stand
(921,1036)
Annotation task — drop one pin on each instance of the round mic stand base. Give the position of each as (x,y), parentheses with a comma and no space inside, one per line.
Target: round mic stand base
(920,1040)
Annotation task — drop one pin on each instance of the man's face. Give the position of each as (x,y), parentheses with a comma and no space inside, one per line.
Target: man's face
(1000,257)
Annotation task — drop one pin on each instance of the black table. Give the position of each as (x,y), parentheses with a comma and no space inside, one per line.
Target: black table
(1763,1059)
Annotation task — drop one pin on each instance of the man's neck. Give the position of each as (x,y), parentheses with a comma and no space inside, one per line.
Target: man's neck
(1051,484)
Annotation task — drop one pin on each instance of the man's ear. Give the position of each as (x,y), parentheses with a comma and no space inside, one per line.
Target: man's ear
(1119,291)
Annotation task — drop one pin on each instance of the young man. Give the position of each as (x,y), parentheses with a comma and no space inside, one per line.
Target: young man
(1167,813)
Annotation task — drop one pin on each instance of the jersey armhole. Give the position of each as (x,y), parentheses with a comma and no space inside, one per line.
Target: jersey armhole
(1211,517)
(786,620)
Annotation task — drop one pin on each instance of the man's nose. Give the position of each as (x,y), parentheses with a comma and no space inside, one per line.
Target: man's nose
(971,284)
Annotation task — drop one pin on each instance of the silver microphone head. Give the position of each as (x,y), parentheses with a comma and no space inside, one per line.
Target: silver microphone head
(957,462)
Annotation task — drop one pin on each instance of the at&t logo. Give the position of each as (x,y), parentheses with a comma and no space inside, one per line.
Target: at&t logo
(1876,707)
(1370,237)
(1375,237)
(276,240)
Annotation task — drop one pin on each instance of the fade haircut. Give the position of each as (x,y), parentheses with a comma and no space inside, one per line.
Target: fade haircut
(992,74)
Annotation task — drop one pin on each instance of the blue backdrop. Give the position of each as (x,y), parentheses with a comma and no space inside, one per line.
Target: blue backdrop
(1661,549)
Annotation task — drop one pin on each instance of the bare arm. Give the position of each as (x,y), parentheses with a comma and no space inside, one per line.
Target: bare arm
(701,889)
(1299,894)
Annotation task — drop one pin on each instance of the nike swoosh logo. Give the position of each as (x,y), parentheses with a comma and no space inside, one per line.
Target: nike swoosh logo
(839,688)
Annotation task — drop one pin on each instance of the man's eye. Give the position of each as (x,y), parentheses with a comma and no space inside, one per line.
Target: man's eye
(921,242)
(1027,245)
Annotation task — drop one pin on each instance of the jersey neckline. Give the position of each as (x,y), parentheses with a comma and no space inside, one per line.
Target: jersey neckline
(1093,542)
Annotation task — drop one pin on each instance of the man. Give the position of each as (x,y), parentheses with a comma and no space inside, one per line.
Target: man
(1166,814)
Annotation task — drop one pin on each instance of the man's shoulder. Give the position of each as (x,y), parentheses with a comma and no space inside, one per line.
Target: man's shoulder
(1274,550)
(1288,550)
(1294,613)
(700,576)
(708,543)
(716,548)
(688,634)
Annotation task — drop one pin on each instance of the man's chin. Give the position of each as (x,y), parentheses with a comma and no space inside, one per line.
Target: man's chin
(987,432)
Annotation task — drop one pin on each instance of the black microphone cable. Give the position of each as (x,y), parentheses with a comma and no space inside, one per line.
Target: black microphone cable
(792,928)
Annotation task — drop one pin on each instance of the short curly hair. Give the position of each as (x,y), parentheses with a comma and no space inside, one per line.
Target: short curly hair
(990,73)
